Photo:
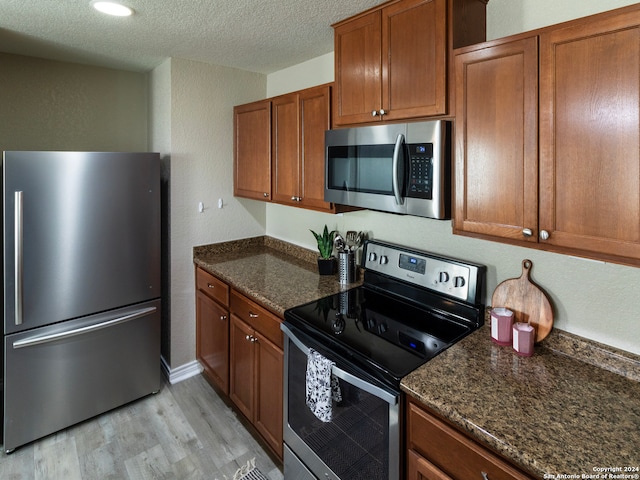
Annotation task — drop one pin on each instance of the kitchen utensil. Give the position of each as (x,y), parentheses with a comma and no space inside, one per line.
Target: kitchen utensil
(351,239)
(338,243)
(527,301)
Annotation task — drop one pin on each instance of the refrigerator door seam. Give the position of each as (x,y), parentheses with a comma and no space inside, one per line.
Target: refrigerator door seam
(38,340)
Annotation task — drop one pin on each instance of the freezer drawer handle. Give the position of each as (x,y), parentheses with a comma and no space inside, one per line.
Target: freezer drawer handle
(28,342)
(17,250)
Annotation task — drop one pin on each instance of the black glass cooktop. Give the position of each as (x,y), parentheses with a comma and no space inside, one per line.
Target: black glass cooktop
(381,334)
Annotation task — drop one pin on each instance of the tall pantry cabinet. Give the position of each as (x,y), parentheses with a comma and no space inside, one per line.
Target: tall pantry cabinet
(548,138)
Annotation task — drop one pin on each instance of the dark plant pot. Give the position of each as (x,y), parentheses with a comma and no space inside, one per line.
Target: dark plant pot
(327,266)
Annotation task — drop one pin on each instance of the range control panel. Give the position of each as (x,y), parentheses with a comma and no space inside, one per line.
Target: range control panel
(445,275)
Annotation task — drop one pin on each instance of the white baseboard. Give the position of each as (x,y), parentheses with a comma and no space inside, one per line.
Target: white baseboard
(182,372)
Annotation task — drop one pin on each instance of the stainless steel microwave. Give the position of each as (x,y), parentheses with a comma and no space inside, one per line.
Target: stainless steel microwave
(401,168)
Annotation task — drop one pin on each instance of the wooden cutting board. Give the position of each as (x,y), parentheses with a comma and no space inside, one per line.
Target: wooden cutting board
(527,301)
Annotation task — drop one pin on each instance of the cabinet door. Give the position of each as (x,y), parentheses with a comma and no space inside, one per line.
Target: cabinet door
(212,340)
(414,60)
(252,150)
(357,70)
(269,388)
(242,366)
(451,452)
(496,163)
(315,119)
(419,468)
(590,136)
(285,132)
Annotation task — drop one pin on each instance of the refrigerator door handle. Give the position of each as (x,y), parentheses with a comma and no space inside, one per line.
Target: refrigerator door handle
(18,255)
(38,340)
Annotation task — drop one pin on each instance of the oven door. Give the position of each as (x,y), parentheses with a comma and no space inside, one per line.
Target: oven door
(362,440)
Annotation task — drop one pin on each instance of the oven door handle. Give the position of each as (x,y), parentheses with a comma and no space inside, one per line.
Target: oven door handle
(389,397)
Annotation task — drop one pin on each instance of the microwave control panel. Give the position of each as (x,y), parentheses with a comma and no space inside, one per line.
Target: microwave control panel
(420,170)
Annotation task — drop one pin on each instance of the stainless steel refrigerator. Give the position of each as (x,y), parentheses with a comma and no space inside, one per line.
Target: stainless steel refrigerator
(81,287)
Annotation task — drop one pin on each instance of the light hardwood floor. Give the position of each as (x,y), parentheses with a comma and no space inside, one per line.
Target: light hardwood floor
(185,431)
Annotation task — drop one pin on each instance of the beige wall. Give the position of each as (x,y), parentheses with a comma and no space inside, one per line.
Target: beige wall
(50,105)
(592,299)
(192,127)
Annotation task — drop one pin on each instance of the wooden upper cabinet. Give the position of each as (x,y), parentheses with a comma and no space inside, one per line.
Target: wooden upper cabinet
(391,63)
(285,131)
(414,59)
(315,119)
(252,150)
(496,163)
(590,135)
(358,76)
(299,121)
(548,138)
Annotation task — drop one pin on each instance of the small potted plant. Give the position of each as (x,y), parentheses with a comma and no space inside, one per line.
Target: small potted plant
(326,260)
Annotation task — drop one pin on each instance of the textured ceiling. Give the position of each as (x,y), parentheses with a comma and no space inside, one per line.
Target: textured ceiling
(257,35)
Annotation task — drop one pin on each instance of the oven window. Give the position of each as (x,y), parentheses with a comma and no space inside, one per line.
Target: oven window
(355,443)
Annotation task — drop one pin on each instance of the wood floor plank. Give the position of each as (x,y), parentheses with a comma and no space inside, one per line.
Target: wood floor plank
(184,432)
(56,457)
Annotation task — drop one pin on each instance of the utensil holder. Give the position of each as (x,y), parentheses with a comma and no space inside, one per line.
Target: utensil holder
(346,267)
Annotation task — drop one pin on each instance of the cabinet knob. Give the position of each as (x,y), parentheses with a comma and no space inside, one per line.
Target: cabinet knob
(209,285)
(253,315)
(223,318)
(265,195)
(254,339)
(296,199)
(382,111)
(484,476)
(247,337)
(374,113)
(527,232)
(544,235)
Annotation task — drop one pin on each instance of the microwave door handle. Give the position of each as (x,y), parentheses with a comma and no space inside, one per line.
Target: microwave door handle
(397,151)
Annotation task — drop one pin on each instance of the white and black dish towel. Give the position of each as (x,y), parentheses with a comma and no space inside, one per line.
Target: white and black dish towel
(322,386)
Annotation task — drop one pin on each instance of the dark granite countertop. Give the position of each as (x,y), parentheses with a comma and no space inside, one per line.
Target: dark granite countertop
(275,274)
(571,408)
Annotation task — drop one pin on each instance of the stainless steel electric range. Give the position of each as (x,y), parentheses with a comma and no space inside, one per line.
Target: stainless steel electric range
(344,422)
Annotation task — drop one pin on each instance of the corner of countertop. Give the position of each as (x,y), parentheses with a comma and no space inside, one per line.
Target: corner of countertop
(262,241)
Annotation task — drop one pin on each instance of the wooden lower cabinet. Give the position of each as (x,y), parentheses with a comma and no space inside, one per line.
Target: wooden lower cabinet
(240,347)
(212,329)
(437,451)
(256,368)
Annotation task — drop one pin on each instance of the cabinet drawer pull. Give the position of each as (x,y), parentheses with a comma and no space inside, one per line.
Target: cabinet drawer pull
(252,315)
(211,285)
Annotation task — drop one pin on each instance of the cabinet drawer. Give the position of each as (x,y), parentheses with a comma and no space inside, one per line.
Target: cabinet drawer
(452,452)
(259,318)
(212,287)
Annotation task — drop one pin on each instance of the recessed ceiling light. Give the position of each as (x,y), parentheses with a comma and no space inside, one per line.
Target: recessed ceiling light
(112,8)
